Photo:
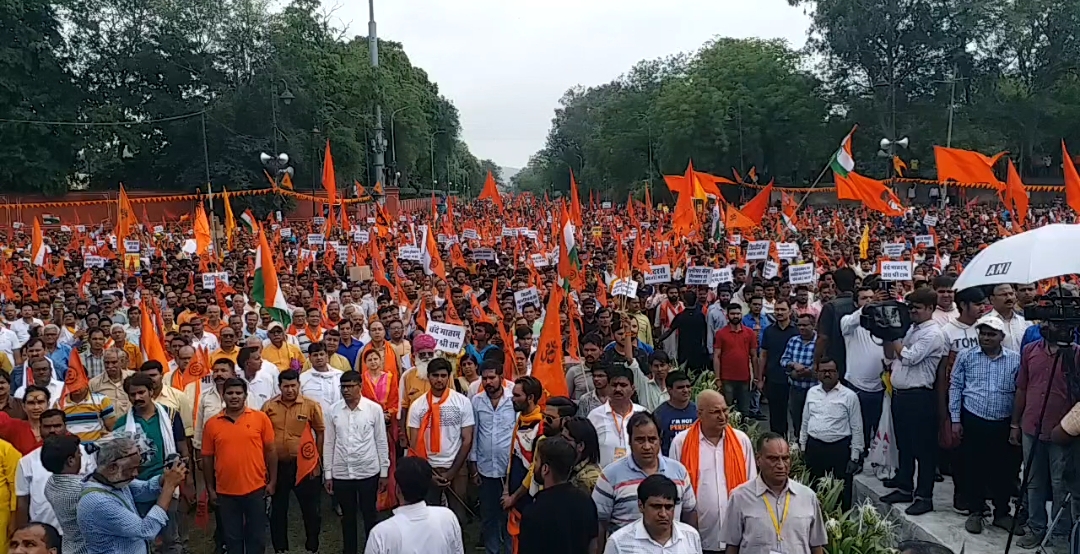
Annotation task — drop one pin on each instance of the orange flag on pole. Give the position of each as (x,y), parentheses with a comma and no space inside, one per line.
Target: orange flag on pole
(873,194)
(575,201)
(685,221)
(548,367)
(1072,180)
(307,458)
(76,378)
(202,232)
(491,191)
(1016,196)
(125,218)
(329,181)
(965,166)
(149,341)
(755,209)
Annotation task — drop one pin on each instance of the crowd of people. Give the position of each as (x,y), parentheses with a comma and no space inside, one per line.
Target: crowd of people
(404,391)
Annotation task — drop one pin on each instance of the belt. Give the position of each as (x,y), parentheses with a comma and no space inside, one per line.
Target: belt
(915,389)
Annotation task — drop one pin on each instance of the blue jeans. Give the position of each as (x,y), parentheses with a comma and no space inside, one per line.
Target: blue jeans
(1047,482)
(493,517)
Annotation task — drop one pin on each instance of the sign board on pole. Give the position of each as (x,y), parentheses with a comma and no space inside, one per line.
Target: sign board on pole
(132,246)
(361,237)
(470,234)
(209,280)
(93,261)
(624,287)
(721,275)
(484,254)
(448,338)
(802,274)
(658,274)
(318,221)
(605,205)
(316,239)
(896,271)
(285,232)
(930,220)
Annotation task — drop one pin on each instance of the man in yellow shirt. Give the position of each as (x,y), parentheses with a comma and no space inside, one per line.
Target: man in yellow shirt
(278,351)
(227,336)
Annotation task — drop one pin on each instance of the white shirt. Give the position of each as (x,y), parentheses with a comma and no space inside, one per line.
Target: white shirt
(323,387)
(56,390)
(261,388)
(712,492)
(1014,329)
(417,529)
(30,480)
(9,343)
(22,329)
(864,354)
(943,317)
(455,414)
(612,432)
(208,341)
(961,336)
(634,539)
(832,416)
(924,346)
(355,445)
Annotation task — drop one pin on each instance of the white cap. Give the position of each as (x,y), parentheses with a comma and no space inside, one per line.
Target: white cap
(989,320)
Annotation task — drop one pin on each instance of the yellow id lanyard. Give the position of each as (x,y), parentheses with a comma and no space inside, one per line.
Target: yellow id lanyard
(777,525)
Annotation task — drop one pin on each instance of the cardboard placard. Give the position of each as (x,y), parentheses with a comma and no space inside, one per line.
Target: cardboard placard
(316,239)
(80,228)
(318,221)
(538,260)
(448,338)
(132,246)
(758,250)
(802,274)
(209,280)
(370,220)
(132,262)
(896,271)
(624,287)
(893,249)
(484,254)
(409,253)
(93,261)
(342,251)
(361,237)
(470,234)
(509,232)
(525,297)
(698,275)
(721,275)
(924,240)
(787,250)
(658,274)
(771,270)
(929,220)
(65,228)
(358,273)
(159,229)
(735,240)
(285,232)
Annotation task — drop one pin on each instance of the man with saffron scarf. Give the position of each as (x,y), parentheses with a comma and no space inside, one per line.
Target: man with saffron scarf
(440,427)
(718,458)
(528,432)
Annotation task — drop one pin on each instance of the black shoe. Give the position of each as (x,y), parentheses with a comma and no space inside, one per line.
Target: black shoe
(938,478)
(974,524)
(960,507)
(897,497)
(920,507)
(890,483)
(1006,522)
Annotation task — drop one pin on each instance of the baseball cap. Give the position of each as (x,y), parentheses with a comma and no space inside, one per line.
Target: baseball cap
(992,322)
(273,325)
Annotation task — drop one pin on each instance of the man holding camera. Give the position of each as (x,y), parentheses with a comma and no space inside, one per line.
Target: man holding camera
(914,363)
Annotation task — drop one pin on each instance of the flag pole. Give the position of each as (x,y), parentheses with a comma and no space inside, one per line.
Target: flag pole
(213,223)
(812,187)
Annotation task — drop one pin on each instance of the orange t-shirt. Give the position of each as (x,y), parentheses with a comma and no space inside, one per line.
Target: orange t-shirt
(237,448)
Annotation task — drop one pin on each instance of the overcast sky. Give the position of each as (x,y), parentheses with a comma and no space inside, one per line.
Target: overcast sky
(506,63)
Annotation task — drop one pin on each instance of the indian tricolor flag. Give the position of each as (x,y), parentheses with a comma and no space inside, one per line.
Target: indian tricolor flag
(248,220)
(843,162)
(265,289)
(569,260)
(38,252)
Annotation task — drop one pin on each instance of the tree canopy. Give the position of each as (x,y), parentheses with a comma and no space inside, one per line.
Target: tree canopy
(136,86)
(1010,71)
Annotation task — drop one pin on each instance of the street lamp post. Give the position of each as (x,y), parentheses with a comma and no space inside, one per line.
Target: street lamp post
(431,154)
(286,97)
(373,47)
(393,137)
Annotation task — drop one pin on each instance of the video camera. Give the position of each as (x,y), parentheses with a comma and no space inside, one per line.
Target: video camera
(1055,308)
(887,320)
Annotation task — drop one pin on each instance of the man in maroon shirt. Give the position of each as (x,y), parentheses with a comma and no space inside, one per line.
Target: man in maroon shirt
(733,359)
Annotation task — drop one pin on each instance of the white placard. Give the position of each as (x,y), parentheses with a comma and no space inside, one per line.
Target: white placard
(525,297)
(758,250)
(929,220)
(132,246)
(698,275)
(285,232)
(80,228)
(370,220)
(509,232)
(470,234)
(65,228)
(361,237)
(771,270)
(93,261)
(658,274)
(316,239)
(605,205)
(159,229)
(802,274)
(538,260)
(485,254)
(209,280)
(530,234)
(409,253)
(624,287)
(150,251)
(924,240)
(735,240)
(318,221)
(448,338)
(896,271)
(894,249)
(787,250)
(721,275)
(17,225)
(440,238)
(342,252)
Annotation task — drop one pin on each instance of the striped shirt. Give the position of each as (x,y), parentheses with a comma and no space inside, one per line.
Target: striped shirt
(615,494)
(799,351)
(87,418)
(983,385)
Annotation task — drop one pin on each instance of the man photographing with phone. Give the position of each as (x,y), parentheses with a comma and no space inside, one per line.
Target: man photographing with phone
(106,513)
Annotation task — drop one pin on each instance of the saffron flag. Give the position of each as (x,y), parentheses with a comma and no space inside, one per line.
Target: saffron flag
(264,288)
(873,194)
(307,458)
(575,201)
(37,246)
(429,256)
(757,206)
(685,221)
(125,218)
(149,340)
(548,367)
(1016,196)
(202,231)
(1072,180)
(230,219)
(965,166)
(491,191)
(76,378)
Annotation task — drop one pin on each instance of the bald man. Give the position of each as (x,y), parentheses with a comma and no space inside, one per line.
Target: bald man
(707,470)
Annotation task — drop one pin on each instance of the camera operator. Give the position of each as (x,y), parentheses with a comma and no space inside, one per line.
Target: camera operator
(106,513)
(914,405)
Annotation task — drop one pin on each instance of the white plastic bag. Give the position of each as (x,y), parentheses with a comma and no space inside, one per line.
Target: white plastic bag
(883,456)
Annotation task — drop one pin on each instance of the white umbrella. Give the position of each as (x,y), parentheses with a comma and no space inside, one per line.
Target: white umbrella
(1031,256)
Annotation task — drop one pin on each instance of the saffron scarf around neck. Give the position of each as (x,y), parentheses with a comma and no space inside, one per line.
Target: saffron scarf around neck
(734,458)
(527,421)
(432,424)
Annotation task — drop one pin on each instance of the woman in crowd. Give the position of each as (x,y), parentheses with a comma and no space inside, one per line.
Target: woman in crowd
(381,386)
(9,404)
